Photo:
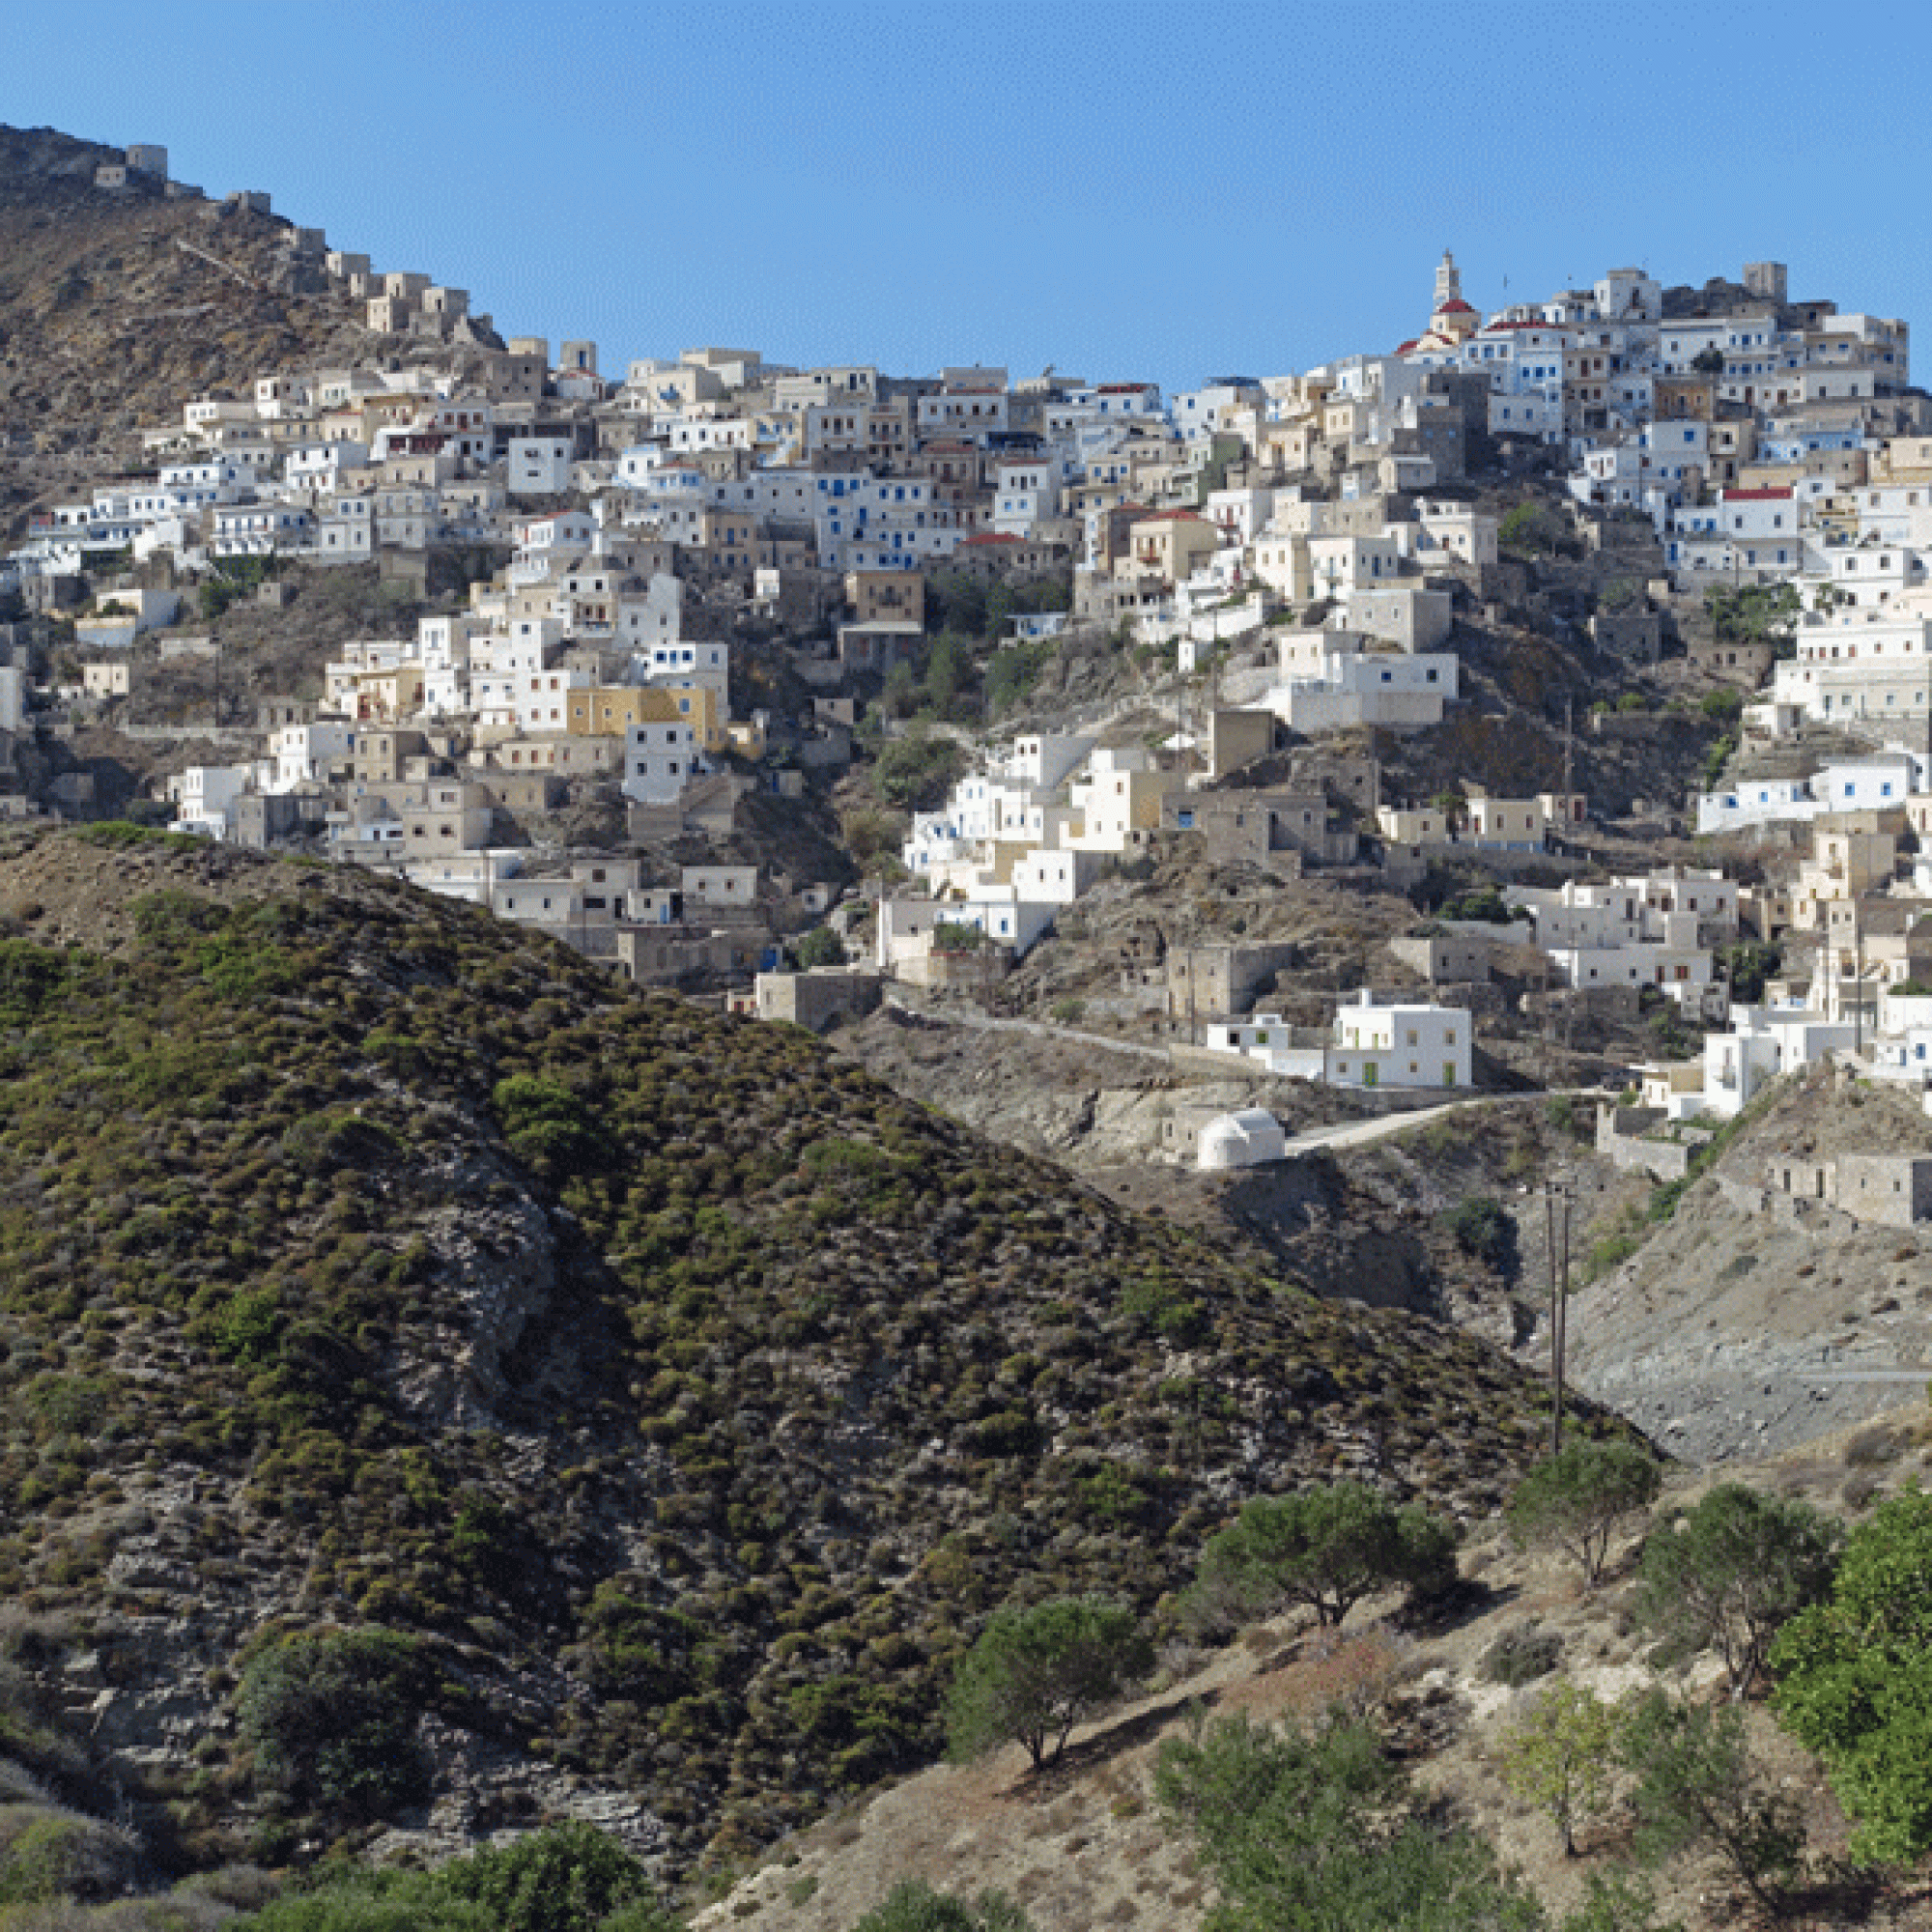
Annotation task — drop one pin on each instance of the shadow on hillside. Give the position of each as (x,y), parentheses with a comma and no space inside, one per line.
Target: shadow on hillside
(1454,1609)
(1079,1760)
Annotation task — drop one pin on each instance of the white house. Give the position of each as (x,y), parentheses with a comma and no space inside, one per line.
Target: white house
(1369,1043)
(1400,1046)
(704,662)
(1763,1042)
(1862,663)
(539,466)
(659,762)
(904,935)
(1880,783)
(203,796)
(300,755)
(259,529)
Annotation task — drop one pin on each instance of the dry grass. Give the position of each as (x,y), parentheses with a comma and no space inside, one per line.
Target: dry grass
(1085,1846)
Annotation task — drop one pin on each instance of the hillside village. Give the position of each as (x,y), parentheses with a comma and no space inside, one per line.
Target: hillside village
(1369,924)
(1303,568)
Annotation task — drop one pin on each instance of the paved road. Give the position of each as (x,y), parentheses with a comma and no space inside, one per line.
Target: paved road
(1363,1133)
(1344,1134)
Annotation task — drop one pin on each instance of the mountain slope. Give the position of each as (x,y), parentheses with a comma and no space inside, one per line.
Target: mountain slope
(1747,1322)
(684,1394)
(119,305)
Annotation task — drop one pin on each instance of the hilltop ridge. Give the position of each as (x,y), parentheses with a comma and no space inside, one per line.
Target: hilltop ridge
(116,304)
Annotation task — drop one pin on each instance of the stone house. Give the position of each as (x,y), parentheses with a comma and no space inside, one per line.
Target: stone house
(1258,827)
(815,999)
(1893,1190)
(1212,980)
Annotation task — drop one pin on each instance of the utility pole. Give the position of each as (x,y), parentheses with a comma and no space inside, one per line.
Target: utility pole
(1569,754)
(1559,1300)
(1562,1335)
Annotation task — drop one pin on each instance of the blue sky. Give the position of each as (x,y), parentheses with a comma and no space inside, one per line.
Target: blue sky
(1119,189)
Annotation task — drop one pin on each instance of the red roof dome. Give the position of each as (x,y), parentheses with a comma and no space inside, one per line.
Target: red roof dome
(1455,305)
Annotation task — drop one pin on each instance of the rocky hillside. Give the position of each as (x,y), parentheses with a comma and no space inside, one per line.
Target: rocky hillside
(675,1394)
(1728,1322)
(118,305)
(1086,1844)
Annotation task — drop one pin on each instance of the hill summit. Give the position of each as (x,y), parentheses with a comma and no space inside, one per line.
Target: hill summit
(117,304)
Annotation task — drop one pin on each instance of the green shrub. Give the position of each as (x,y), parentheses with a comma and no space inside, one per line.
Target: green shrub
(1014,671)
(915,773)
(1482,1228)
(1520,1656)
(1166,1311)
(1733,1572)
(334,1720)
(47,1856)
(915,1907)
(249,1330)
(1312,1829)
(820,947)
(569,1878)
(1698,1788)
(548,1126)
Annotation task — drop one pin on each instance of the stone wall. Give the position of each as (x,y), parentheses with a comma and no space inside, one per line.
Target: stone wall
(1622,1139)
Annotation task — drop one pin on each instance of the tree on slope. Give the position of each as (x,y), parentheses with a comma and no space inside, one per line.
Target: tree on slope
(1033,1674)
(1698,1788)
(1326,1548)
(1562,1757)
(1854,1680)
(1581,1498)
(1734,1572)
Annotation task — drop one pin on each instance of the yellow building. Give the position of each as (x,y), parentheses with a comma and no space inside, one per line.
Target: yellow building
(609,711)
(385,697)
(1171,543)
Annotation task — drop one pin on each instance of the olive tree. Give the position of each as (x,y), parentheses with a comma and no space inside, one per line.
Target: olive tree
(1326,1548)
(1733,1571)
(1034,1673)
(1698,1788)
(1579,1499)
